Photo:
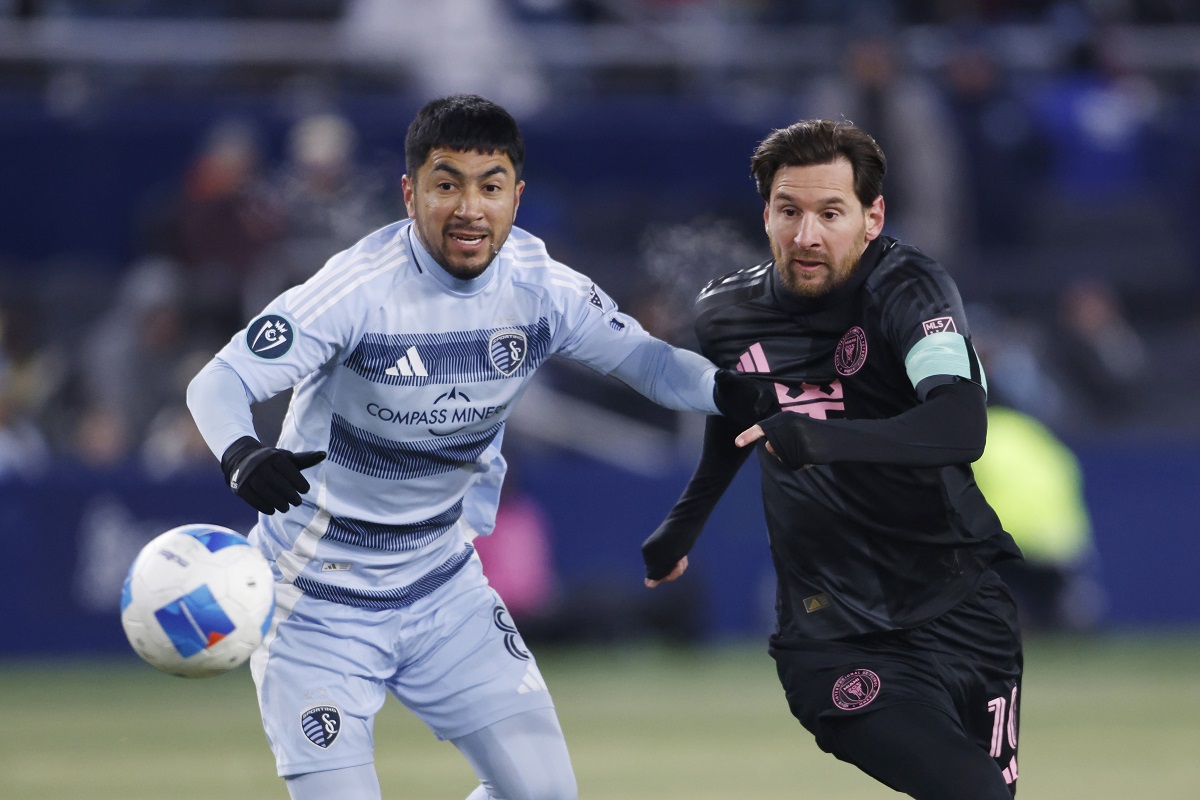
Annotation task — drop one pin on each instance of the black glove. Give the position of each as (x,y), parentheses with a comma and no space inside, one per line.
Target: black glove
(266,477)
(662,549)
(790,438)
(743,399)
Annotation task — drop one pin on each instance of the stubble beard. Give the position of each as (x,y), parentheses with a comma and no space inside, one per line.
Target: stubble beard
(834,276)
(463,272)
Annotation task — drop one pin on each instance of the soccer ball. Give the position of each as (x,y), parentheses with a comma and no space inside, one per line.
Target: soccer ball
(197,601)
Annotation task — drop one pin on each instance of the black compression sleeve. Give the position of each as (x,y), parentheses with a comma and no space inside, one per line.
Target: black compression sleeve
(720,460)
(950,427)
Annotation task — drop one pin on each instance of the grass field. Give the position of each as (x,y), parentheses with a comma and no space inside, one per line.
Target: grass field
(1102,718)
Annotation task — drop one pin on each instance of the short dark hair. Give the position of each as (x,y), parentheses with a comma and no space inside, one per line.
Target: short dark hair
(821,141)
(464,123)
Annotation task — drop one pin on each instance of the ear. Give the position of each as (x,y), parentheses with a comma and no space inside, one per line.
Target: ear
(517,198)
(874,218)
(767,216)
(409,188)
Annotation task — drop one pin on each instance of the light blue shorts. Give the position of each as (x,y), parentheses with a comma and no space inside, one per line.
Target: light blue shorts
(454,658)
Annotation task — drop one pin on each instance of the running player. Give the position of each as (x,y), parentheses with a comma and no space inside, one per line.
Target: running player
(406,353)
(896,644)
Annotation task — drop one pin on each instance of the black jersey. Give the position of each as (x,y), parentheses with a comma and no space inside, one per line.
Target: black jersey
(858,547)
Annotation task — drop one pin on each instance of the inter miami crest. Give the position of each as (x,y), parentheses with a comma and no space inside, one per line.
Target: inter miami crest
(851,352)
(856,689)
(321,724)
(508,349)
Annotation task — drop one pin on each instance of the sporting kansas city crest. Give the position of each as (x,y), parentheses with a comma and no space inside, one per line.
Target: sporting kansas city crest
(321,724)
(508,349)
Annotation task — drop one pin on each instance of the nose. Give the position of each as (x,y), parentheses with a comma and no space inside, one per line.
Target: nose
(469,205)
(807,232)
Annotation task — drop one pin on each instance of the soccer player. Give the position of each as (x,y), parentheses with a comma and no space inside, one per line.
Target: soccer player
(896,644)
(406,353)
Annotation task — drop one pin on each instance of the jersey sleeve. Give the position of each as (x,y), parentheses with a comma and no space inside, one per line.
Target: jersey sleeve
(593,330)
(306,328)
(922,316)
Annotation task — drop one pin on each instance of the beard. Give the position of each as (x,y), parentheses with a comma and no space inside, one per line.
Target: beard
(462,269)
(829,277)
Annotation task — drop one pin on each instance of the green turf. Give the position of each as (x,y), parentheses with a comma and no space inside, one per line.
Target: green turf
(1104,718)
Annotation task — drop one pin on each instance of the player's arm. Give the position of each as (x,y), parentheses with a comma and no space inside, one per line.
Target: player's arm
(665,551)
(267,478)
(950,427)
(682,380)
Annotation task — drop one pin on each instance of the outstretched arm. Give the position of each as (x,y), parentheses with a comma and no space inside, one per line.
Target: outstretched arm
(665,551)
(950,427)
(682,380)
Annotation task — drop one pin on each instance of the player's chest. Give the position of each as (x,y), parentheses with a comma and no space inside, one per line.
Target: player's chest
(844,367)
(414,373)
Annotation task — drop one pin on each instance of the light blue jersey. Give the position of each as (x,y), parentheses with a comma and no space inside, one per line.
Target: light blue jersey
(405,376)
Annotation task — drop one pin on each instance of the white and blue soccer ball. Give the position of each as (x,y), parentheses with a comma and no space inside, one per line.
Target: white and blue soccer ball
(197,601)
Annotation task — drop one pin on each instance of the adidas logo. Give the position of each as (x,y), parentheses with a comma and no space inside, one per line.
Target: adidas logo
(533,681)
(409,365)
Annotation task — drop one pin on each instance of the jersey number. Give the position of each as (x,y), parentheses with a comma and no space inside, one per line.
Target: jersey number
(1004,722)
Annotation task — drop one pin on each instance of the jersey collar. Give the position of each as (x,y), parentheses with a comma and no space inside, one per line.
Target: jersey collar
(457,285)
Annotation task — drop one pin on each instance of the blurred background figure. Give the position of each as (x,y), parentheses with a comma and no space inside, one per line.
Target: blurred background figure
(324,200)
(1034,483)
(909,117)
(134,364)
(1101,356)
(29,376)
(221,223)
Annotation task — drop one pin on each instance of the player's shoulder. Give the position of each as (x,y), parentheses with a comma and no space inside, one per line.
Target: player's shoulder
(735,288)
(533,268)
(361,272)
(902,266)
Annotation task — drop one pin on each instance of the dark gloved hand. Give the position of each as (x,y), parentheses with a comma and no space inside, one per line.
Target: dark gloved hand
(790,439)
(744,399)
(662,549)
(266,477)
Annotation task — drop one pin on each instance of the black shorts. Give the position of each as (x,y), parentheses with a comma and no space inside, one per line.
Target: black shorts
(966,663)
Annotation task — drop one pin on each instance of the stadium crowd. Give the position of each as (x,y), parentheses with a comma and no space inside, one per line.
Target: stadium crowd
(1059,191)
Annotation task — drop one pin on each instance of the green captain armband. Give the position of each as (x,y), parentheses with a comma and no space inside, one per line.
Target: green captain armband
(944,353)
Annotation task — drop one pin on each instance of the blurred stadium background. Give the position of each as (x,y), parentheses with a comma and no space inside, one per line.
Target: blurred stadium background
(170,165)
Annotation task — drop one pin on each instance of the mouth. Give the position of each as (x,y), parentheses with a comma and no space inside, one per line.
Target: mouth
(470,241)
(808,266)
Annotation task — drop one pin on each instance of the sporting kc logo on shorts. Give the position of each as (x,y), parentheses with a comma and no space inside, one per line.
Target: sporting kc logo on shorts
(270,336)
(321,724)
(855,689)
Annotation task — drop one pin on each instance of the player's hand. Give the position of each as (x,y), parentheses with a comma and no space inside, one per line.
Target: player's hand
(752,435)
(267,478)
(680,568)
(744,399)
(786,436)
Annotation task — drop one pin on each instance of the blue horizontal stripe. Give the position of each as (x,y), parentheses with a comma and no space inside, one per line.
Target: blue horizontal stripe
(399,597)
(392,538)
(368,454)
(450,357)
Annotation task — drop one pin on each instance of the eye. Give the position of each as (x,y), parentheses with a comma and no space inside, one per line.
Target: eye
(446,186)
(830,215)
